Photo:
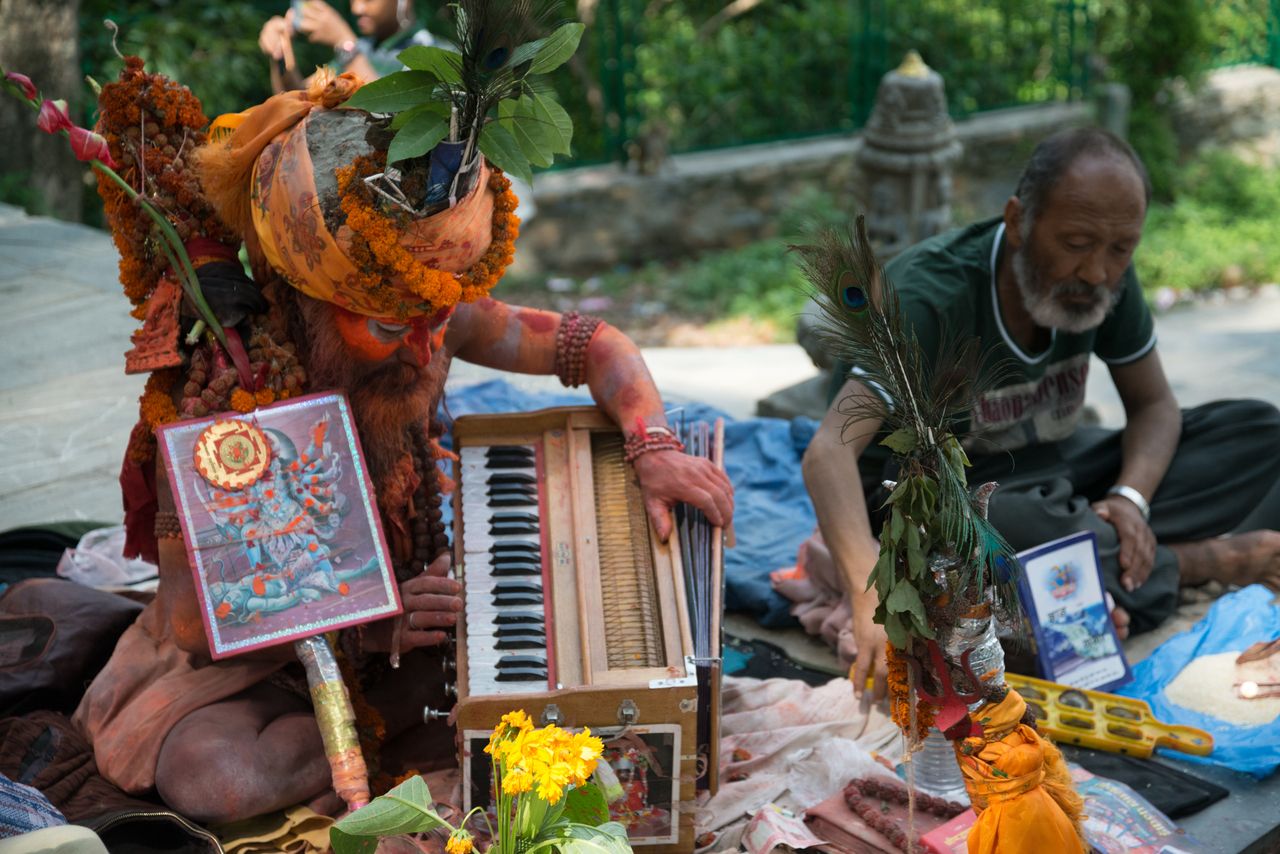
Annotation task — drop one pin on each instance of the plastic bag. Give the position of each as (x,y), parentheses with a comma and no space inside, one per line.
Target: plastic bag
(1235,622)
(98,561)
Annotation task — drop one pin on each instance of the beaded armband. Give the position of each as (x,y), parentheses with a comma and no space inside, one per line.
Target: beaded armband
(573,337)
(167,526)
(652,439)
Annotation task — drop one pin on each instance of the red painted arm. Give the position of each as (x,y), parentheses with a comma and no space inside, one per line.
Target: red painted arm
(505,337)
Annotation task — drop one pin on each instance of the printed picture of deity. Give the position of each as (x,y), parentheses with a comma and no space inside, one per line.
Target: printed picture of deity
(280,524)
(636,772)
(1063,594)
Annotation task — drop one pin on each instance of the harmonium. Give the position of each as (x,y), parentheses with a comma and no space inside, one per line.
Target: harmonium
(576,613)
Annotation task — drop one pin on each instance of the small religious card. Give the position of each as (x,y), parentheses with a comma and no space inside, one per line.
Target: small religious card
(1065,602)
(281,527)
(643,759)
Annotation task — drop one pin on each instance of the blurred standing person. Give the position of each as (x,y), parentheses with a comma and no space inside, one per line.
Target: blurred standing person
(386,28)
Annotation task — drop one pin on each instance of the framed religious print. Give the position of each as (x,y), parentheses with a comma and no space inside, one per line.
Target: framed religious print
(642,758)
(1065,602)
(280,523)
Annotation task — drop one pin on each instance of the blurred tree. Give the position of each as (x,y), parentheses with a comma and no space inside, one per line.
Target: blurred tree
(39,40)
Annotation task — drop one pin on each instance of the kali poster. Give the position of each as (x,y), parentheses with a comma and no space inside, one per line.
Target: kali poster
(280,524)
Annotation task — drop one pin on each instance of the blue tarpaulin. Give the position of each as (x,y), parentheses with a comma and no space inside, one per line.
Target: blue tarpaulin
(1234,623)
(772,514)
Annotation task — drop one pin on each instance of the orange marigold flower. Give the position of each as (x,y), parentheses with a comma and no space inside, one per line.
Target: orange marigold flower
(243,401)
(264,396)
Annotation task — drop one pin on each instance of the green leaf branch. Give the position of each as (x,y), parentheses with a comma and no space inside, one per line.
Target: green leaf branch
(513,121)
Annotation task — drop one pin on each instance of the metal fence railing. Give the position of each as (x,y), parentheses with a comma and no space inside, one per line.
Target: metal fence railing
(691,75)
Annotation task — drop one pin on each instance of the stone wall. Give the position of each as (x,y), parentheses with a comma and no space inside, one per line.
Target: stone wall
(594,218)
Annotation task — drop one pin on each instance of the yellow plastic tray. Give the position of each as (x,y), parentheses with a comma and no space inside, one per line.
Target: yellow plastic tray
(1104,721)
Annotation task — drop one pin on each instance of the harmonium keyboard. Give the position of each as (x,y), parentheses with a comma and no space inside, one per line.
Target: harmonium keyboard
(576,613)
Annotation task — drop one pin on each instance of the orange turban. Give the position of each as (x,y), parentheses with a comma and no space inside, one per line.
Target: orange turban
(263,180)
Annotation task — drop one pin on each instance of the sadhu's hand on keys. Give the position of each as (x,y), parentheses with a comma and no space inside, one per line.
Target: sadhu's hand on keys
(431,605)
(668,478)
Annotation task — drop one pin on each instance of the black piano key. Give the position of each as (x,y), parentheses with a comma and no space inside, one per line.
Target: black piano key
(521,659)
(513,517)
(508,451)
(516,550)
(522,674)
(518,587)
(509,529)
(507,569)
(512,478)
(521,631)
(501,463)
(519,617)
(504,600)
(511,499)
(524,641)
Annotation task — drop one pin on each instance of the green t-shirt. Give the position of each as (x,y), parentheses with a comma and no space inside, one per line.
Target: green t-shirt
(947,285)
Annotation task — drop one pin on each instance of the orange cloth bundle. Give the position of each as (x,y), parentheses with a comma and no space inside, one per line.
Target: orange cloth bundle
(1019,786)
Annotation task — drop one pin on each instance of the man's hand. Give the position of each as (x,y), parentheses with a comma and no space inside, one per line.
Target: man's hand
(870,639)
(670,477)
(1137,542)
(431,604)
(322,24)
(275,40)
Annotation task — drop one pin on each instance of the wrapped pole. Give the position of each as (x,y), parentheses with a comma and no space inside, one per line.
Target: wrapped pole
(336,719)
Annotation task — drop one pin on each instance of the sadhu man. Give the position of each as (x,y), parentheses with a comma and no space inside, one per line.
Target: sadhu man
(366,316)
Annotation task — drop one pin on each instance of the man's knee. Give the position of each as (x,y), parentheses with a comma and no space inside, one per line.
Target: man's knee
(213,793)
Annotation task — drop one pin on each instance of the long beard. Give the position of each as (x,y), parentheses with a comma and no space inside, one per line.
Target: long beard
(388,398)
(1051,304)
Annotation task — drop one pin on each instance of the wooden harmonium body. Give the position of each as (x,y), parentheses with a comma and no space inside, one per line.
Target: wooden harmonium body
(576,613)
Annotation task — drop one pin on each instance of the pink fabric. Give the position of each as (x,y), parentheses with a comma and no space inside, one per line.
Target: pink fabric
(816,588)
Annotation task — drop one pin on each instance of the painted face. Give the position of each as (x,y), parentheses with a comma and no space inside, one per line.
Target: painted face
(1070,266)
(372,339)
(376,18)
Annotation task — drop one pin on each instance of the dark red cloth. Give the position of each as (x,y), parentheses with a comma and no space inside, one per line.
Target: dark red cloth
(138,492)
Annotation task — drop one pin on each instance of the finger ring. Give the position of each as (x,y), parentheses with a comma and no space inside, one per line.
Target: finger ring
(410,620)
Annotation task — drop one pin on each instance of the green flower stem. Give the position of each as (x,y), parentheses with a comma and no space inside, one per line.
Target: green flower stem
(181,264)
(175,251)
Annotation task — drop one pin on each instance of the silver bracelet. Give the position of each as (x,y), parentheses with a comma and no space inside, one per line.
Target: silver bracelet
(1133,495)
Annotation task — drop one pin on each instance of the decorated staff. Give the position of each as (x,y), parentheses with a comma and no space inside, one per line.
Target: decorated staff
(944,574)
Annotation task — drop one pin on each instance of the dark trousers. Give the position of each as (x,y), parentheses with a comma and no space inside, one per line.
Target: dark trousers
(1224,478)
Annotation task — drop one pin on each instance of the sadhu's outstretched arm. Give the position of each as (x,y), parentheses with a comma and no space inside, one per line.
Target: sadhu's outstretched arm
(581,349)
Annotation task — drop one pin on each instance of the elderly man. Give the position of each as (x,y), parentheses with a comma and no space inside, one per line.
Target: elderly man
(1178,497)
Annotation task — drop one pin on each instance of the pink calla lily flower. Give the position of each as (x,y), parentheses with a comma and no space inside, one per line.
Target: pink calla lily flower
(54,117)
(87,145)
(24,83)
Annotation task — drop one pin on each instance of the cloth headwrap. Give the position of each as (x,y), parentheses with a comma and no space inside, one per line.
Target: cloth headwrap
(226,170)
(1018,784)
(262,182)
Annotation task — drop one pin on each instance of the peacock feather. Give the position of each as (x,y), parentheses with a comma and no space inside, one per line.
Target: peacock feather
(936,541)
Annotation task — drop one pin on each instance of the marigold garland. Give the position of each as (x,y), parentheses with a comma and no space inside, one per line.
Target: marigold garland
(900,696)
(379,256)
(243,401)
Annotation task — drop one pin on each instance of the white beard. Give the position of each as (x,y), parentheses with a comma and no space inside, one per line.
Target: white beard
(1045,305)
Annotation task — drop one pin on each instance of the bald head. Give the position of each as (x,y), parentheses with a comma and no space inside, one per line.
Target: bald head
(1055,158)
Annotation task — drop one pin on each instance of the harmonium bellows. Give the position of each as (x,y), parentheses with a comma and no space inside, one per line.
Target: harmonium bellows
(576,613)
